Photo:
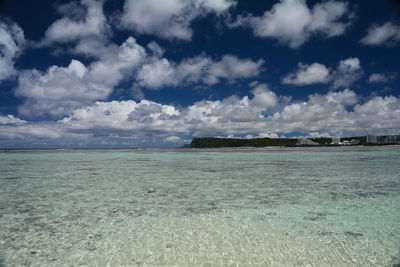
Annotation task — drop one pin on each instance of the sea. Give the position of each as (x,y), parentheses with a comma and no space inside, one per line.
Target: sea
(334,206)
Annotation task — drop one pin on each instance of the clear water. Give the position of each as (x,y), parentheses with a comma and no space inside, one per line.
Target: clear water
(250,207)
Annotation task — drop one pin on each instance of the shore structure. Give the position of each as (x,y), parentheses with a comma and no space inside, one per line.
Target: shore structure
(210,142)
(306,141)
(383,139)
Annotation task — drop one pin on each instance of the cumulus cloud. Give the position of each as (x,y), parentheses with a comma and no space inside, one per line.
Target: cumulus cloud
(331,114)
(292,22)
(119,65)
(199,69)
(231,68)
(321,112)
(169,19)
(308,74)
(157,74)
(232,115)
(11,120)
(60,90)
(148,119)
(11,42)
(12,128)
(385,34)
(83,30)
(57,91)
(381,77)
(346,73)
(172,139)
(125,119)
(71,27)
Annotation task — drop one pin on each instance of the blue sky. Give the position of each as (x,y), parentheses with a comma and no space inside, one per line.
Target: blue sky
(151,73)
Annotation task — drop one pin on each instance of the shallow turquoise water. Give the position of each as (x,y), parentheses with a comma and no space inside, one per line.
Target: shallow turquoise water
(258,207)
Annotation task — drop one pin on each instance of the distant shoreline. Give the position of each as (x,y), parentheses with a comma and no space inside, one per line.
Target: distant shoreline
(191,149)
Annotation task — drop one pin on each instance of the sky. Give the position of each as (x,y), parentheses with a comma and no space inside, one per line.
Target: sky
(156,73)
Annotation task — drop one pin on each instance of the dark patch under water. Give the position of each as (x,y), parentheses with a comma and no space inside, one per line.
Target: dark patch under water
(315,216)
(353,234)
(12,178)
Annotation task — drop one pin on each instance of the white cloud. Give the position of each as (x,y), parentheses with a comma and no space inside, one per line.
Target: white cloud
(330,18)
(321,112)
(22,130)
(60,90)
(269,135)
(156,49)
(232,115)
(72,27)
(348,71)
(120,64)
(172,139)
(331,114)
(385,34)
(203,69)
(292,22)
(125,119)
(11,42)
(157,74)
(379,115)
(11,120)
(57,91)
(381,77)
(231,68)
(147,118)
(83,27)
(169,19)
(308,74)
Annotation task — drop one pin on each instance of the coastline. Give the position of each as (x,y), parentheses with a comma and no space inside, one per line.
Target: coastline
(204,149)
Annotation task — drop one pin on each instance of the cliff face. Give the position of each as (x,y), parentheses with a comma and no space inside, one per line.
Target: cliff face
(232,142)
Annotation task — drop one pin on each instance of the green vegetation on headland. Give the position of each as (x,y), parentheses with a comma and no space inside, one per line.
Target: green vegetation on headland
(211,142)
(207,142)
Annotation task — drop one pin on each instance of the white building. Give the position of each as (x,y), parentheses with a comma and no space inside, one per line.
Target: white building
(306,141)
(377,139)
(392,139)
(355,142)
(336,141)
(372,139)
